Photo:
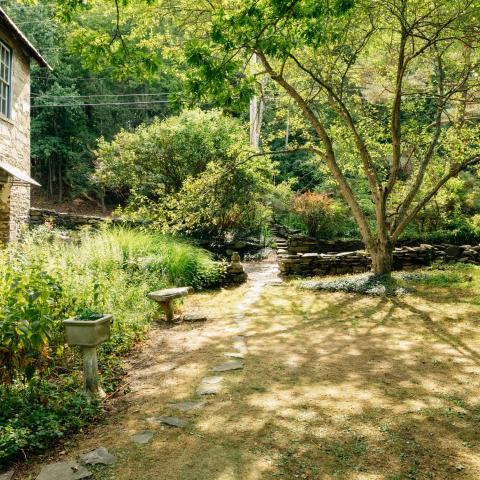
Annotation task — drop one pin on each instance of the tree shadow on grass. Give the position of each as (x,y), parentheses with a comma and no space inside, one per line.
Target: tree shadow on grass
(335,386)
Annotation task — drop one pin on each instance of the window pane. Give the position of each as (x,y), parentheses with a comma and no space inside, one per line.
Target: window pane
(5,80)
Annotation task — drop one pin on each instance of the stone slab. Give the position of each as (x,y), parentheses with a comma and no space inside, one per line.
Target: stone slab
(169,293)
(209,389)
(235,355)
(212,380)
(98,456)
(194,317)
(173,421)
(143,437)
(228,366)
(6,475)
(64,471)
(241,347)
(187,406)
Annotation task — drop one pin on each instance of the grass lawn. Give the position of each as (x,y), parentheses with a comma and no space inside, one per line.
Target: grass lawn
(335,385)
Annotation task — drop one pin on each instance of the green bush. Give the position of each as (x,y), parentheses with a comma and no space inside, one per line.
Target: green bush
(29,301)
(189,173)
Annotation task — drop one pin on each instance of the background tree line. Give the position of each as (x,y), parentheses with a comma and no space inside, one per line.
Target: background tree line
(393,100)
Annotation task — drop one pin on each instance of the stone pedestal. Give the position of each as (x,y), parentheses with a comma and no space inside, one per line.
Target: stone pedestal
(91,378)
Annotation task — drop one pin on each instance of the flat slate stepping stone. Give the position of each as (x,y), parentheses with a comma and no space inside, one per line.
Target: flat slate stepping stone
(209,389)
(173,421)
(98,456)
(234,355)
(142,438)
(241,347)
(6,475)
(237,329)
(187,406)
(64,471)
(194,317)
(212,380)
(228,366)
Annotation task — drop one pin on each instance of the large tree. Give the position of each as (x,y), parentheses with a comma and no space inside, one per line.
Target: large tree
(388,89)
(396,79)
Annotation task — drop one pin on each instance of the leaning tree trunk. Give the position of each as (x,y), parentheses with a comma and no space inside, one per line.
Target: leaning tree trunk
(382,256)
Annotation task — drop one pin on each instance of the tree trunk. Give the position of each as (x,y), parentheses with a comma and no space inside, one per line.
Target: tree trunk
(382,257)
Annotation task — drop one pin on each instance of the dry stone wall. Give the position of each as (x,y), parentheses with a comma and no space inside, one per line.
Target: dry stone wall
(299,243)
(321,264)
(38,216)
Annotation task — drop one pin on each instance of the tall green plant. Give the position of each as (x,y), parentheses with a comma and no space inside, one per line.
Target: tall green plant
(29,303)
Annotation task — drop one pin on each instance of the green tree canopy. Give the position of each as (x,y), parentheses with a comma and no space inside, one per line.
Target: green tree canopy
(191,172)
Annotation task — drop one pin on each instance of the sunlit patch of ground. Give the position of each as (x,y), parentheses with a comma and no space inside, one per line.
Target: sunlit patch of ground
(335,385)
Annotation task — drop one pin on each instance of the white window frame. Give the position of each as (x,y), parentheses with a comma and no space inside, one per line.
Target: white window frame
(6,77)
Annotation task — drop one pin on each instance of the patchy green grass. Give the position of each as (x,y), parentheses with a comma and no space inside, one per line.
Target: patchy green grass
(336,386)
(399,283)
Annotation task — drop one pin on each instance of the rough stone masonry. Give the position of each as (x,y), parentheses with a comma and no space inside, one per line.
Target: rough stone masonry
(15,130)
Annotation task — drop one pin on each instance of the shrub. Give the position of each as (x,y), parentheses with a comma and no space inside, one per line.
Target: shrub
(320,213)
(365,283)
(189,173)
(33,418)
(29,301)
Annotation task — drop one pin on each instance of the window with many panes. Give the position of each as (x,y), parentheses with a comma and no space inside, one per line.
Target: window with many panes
(5,79)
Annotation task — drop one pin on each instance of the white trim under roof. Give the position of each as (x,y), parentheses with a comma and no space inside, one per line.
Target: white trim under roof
(18,174)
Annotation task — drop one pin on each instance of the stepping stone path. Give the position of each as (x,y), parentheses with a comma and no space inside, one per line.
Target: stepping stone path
(186,406)
(70,470)
(98,456)
(64,471)
(228,366)
(142,438)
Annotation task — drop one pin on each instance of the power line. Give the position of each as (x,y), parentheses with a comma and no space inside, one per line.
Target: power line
(40,96)
(100,104)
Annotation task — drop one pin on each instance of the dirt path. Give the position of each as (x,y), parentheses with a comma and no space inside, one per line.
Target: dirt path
(332,386)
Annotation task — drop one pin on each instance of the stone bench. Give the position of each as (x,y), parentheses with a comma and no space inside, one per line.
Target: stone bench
(166,297)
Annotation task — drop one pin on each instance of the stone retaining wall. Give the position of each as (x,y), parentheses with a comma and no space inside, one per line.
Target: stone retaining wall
(38,216)
(299,243)
(311,264)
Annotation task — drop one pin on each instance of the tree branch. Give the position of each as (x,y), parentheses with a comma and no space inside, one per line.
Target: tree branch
(329,152)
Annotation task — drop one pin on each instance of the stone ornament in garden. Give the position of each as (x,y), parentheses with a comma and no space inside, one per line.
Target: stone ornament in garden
(235,273)
(88,333)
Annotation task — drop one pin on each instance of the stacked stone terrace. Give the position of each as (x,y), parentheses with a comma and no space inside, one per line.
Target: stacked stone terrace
(297,260)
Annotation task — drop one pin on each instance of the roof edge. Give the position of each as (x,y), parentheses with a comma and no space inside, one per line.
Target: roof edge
(33,52)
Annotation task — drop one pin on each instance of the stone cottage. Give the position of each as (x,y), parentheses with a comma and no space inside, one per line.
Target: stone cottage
(15,182)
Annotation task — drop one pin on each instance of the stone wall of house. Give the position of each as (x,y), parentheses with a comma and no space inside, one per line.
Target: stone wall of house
(4,207)
(15,140)
(321,264)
